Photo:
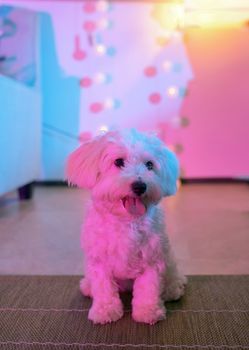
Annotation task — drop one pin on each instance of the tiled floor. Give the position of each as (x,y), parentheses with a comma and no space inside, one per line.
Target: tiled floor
(208,226)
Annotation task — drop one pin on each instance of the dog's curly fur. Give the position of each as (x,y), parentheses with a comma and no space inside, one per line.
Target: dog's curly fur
(123,236)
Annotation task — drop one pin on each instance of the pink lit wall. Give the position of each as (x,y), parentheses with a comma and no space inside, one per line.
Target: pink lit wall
(216,141)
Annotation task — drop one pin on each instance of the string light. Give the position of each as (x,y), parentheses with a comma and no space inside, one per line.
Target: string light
(172,91)
(103,6)
(99,78)
(96,107)
(177,67)
(85,82)
(112,103)
(167,65)
(103,129)
(111,51)
(155,98)
(89,26)
(89,7)
(98,38)
(105,24)
(150,71)
(109,103)
(100,49)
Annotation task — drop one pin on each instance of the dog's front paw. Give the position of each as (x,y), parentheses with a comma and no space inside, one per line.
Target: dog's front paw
(85,287)
(106,312)
(148,313)
(175,288)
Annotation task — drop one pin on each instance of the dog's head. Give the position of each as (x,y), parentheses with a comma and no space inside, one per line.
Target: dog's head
(127,171)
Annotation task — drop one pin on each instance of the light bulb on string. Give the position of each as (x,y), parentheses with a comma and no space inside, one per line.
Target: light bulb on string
(105,24)
(167,65)
(103,129)
(103,6)
(100,49)
(172,91)
(112,103)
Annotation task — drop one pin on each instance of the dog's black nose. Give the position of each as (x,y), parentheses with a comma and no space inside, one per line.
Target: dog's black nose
(138,187)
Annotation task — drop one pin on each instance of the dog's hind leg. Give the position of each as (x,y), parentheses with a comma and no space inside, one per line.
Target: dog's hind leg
(175,282)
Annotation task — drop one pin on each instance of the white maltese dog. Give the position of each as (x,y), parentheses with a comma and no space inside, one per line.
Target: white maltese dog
(123,238)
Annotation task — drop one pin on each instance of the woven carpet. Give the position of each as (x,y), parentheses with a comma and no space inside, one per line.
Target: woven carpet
(48,312)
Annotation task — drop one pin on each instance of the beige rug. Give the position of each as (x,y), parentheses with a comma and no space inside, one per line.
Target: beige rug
(46,312)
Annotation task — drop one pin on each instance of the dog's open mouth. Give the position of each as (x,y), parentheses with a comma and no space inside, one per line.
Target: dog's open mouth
(134,205)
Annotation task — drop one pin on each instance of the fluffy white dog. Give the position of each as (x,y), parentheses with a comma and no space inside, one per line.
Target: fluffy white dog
(123,235)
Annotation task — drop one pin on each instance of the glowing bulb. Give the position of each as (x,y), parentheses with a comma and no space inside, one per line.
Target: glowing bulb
(112,103)
(103,6)
(100,49)
(100,78)
(103,129)
(109,103)
(172,91)
(105,24)
(167,65)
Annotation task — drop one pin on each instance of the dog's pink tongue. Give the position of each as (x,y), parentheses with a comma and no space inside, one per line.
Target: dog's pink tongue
(134,206)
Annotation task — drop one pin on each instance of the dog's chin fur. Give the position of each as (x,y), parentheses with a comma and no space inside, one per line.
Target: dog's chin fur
(123,235)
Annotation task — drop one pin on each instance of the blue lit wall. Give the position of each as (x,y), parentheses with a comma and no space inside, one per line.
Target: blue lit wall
(60,106)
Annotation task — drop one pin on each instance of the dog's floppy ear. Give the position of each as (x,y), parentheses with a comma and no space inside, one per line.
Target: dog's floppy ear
(82,167)
(170,172)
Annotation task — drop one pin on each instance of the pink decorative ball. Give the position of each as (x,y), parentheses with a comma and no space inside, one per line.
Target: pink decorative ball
(89,26)
(96,107)
(150,71)
(155,98)
(86,82)
(89,7)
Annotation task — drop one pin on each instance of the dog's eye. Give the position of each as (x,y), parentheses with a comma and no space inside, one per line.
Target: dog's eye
(119,162)
(149,165)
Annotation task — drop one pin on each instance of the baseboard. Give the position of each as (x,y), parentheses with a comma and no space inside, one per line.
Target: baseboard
(183,180)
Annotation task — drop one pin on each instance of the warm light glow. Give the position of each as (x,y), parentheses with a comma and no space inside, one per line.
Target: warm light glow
(177,15)
(216,13)
(170,15)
